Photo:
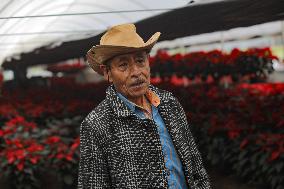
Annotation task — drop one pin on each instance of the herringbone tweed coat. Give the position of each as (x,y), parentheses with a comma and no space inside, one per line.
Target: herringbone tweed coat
(120,150)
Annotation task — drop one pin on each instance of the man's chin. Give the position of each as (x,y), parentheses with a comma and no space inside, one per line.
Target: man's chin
(138,92)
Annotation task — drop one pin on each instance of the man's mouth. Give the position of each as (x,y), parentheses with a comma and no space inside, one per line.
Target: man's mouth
(137,84)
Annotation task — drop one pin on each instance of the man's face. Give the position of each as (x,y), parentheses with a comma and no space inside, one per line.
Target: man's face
(130,74)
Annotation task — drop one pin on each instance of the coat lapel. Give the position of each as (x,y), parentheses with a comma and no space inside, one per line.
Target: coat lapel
(173,129)
(177,132)
(118,106)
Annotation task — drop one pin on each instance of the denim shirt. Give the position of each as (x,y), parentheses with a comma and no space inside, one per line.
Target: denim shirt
(176,178)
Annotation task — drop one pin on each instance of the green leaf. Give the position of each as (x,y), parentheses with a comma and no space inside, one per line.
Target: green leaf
(265,167)
(245,173)
(68,179)
(242,154)
(263,159)
(279,167)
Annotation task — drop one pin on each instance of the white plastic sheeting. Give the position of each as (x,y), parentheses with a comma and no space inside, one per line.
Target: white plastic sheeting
(263,35)
(18,34)
(57,24)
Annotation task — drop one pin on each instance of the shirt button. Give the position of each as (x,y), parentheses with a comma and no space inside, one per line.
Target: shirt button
(168,172)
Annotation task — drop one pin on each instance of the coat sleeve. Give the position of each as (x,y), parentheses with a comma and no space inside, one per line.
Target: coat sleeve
(201,178)
(93,171)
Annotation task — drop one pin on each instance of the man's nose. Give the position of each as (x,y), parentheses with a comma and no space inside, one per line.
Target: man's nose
(134,68)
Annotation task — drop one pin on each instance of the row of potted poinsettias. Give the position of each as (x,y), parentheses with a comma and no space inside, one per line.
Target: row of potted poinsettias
(252,64)
(240,128)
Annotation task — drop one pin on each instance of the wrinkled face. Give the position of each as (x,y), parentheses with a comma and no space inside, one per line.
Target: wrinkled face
(130,74)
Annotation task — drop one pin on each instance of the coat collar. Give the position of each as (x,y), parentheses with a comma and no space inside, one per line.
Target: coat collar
(121,109)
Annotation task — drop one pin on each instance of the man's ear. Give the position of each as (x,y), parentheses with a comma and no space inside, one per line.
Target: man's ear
(107,73)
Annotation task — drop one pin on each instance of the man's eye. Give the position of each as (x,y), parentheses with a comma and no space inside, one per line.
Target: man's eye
(140,60)
(123,65)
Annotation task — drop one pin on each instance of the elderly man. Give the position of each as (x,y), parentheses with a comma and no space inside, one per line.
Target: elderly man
(138,136)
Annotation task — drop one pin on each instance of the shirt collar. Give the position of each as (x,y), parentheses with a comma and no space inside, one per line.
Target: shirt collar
(152,97)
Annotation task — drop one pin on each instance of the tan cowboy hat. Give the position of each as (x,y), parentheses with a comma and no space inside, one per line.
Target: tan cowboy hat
(120,39)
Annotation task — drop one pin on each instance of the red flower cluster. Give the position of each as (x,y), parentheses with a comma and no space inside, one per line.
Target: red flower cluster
(66,68)
(60,150)
(18,147)
(18,123)
(7,110)
(20,152)
(272,143)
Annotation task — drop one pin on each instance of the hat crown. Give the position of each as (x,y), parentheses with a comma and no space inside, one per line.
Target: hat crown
(122,35)
(120,39)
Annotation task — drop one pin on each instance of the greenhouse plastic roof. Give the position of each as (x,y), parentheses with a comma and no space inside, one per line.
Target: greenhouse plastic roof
(27,24)
(201,17)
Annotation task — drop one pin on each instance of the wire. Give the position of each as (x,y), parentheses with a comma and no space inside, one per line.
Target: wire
(52,32)
(86,13)
(24,43)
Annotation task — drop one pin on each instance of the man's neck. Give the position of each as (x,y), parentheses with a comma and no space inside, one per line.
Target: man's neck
(138,101)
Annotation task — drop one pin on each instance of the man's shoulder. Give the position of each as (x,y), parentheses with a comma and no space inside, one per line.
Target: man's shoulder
(96,124)
(99,115)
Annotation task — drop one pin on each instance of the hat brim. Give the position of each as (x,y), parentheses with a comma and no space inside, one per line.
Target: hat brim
(99,54)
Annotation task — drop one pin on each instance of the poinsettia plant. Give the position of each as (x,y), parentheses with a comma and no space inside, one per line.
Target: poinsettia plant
(27,149)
